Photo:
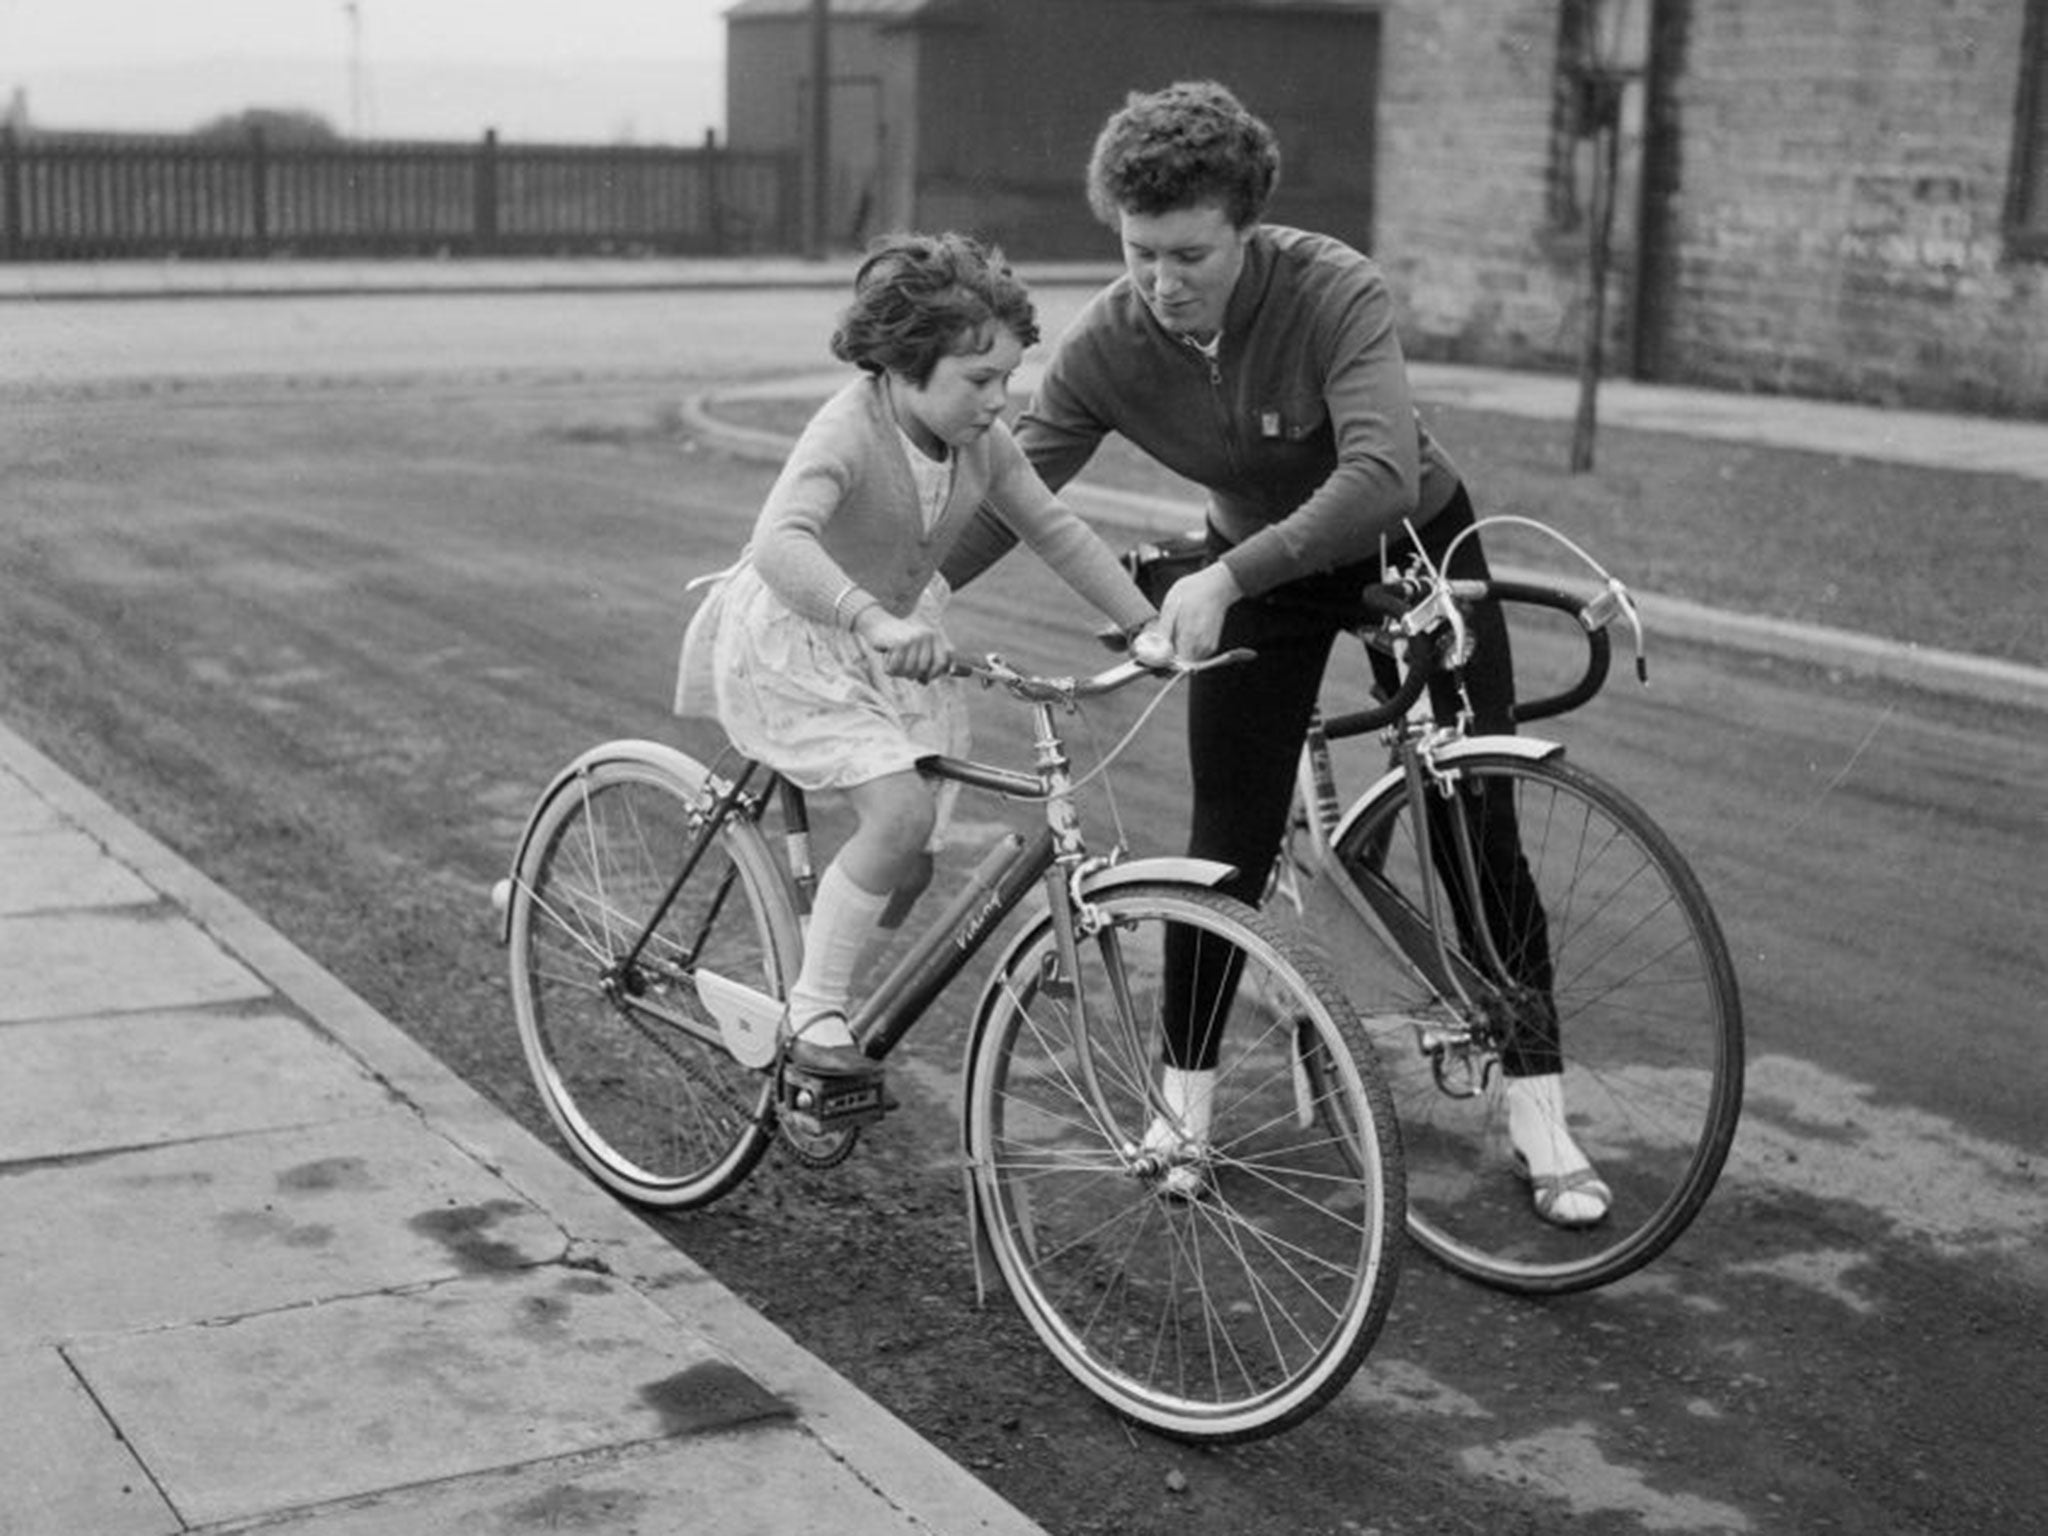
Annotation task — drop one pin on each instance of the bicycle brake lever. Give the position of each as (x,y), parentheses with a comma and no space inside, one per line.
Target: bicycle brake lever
(1626,602)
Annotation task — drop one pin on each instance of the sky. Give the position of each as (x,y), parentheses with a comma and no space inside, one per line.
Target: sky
(650,71)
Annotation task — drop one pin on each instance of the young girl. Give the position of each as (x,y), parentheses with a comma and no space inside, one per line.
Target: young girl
(824,649)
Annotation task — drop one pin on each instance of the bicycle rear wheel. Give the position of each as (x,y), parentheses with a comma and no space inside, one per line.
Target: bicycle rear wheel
(1222,1317)
(1641,1000)
(627,1060)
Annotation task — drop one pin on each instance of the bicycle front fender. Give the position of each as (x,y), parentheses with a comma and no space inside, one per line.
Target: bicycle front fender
(681,764)
(1206,873)
(1173,871)
(1533,748)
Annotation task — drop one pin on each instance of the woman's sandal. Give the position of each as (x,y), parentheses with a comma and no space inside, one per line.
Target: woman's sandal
(1546,1191)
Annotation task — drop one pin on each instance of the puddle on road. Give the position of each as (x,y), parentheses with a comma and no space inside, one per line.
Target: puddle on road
(1567,1464)
(1807,1130)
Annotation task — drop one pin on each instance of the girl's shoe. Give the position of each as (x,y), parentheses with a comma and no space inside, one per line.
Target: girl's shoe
(829,1057)
(1568,1193)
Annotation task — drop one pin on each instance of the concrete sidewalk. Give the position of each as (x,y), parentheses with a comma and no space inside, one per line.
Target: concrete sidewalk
(264,1260)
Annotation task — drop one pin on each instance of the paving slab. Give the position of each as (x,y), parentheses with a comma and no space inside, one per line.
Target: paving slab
(22,810)
(63,1469)
(312,1404)
(59,964)
(53,868)
(762,1480)
(74,1086)
(221,1228)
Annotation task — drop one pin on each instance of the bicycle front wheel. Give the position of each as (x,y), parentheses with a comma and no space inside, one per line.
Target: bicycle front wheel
(1228,1289)
(626,1059)
(1632,996)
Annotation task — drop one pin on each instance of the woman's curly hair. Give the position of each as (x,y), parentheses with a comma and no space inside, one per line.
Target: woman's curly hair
(1189,144)
(920,298)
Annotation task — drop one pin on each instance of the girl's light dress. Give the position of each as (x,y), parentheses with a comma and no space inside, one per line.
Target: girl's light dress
(814,702)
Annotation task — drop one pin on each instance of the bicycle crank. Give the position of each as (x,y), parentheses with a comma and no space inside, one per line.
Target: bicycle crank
(821,1104)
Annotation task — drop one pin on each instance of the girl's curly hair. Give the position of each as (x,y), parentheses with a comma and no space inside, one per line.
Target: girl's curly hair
(1189,144)
(919,298)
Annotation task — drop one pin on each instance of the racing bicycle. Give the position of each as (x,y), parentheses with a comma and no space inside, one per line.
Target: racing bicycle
(1484,896)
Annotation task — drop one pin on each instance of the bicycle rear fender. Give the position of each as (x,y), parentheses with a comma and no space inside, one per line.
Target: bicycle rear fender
(681,764)
(1533,748)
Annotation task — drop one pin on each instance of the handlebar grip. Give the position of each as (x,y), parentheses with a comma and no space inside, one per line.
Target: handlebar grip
(1389,600)
(1591,618)
(1599,656)
(1362,721)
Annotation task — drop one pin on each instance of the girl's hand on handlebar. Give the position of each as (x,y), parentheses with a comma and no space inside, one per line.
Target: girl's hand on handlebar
(1192,614)
(908,648)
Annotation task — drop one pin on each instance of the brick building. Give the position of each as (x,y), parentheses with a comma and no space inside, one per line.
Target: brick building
(1842,198)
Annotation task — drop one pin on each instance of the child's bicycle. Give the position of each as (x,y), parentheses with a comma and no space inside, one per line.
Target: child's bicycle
(1485,894)
(654,929)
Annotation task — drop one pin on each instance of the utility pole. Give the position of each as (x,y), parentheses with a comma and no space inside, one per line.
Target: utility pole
(1604,76)
(354,11)
(817,207)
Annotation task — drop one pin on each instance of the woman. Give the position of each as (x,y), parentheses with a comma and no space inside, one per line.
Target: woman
(1262,363)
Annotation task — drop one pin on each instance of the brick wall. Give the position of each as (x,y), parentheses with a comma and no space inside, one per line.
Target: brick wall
(1462,227)
(1834,222)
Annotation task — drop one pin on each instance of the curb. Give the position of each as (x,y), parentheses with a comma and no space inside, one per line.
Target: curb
(1950,673)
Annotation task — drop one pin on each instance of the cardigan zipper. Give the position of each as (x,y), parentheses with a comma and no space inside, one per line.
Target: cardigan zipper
(1216,398)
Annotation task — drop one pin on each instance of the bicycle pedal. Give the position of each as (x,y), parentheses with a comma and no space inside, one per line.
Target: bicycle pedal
(819,1103)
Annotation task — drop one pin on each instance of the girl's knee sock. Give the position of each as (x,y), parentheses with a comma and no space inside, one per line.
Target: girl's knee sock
(843,920)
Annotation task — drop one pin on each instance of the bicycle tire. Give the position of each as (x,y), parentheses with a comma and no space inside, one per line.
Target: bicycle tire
(1648,1016)
(626,1060)
(1222,1318)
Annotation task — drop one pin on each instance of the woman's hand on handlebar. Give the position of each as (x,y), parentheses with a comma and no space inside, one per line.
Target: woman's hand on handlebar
(1192,614)
(1151,649)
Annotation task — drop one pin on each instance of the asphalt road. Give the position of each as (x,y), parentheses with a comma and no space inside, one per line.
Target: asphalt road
(321,590)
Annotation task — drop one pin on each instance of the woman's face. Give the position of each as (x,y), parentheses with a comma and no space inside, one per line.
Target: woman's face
(1185,264)
(967,392)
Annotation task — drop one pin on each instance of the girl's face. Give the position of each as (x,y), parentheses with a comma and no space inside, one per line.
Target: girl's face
(1185,263)
(967,392)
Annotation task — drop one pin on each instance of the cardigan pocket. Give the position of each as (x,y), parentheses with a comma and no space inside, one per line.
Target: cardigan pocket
(1290,418)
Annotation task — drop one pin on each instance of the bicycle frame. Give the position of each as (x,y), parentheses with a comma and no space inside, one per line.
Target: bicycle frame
(1426,761)
(1425,758)
(1056,861)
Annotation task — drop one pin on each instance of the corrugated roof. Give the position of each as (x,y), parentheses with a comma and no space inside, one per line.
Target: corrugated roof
(749,10)
(753,10)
